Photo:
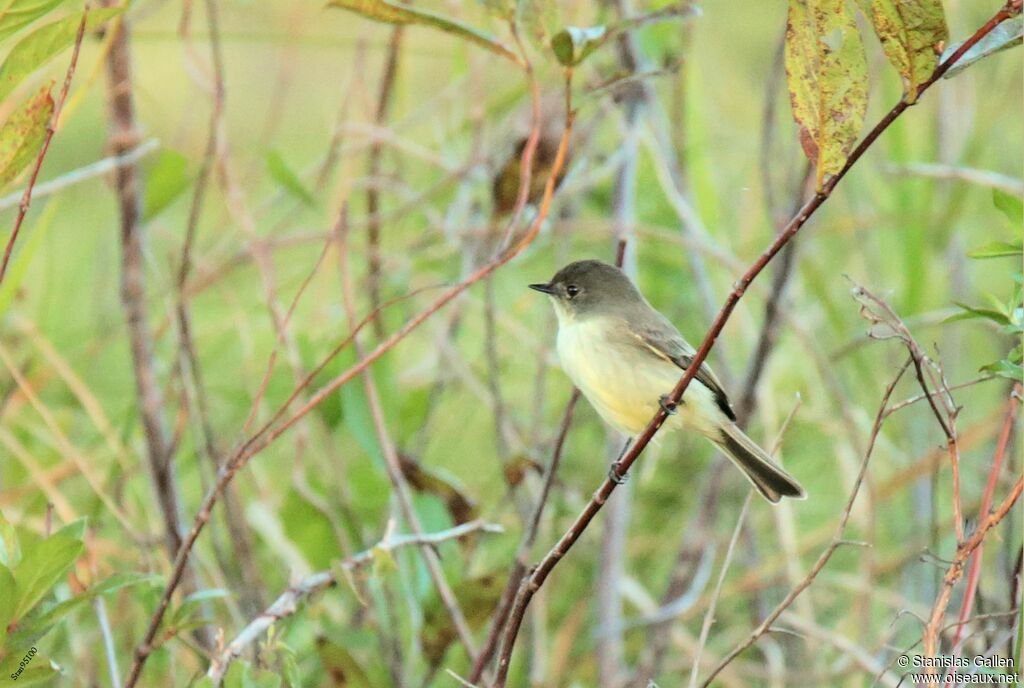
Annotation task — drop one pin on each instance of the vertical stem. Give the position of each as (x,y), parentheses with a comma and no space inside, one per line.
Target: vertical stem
(387,84)
(124,137)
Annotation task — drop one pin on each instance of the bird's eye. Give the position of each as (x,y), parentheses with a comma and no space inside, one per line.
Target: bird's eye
(572,290)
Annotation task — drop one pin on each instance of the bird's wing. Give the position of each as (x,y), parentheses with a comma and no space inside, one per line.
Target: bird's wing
(666,342)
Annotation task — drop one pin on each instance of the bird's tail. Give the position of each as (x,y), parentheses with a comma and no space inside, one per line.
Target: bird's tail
(767,476)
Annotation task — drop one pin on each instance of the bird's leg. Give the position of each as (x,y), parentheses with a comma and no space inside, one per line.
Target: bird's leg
(613,473)
(667,405)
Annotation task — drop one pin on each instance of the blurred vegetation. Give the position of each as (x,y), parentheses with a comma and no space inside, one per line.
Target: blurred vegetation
(302,118)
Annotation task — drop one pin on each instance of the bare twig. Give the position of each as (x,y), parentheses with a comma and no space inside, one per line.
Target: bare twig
(974,574)
(272,430)
(559,550)
(921,397)
(51,129)
(124,137)
(384,98)
(525,546)
(392,463)
(709,615)
(994,180)
(930,637)
(288,602)
(886,325)
(251,582)
(837,539)
(84,173)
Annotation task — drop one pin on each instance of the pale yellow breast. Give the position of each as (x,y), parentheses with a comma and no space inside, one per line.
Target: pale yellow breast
(623,384)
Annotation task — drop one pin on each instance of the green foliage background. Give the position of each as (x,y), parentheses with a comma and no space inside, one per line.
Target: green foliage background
(320,492)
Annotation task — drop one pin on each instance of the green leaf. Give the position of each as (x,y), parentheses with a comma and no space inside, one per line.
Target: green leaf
(826,72)
(998,249)
(42,567)
(394,13)
(1010,206)
(35,49)
(309,529)
(23,133)
(572,44)
(35,626)
(165,181)
(1013,371)
(15,14)
(8,601)
(1007,35)
(10,550)
(971,312)
(912,33)
(283,175)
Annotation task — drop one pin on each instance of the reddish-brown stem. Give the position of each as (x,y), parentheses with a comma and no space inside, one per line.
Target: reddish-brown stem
(930,637)
(51,129)
(974,573)
(583,520)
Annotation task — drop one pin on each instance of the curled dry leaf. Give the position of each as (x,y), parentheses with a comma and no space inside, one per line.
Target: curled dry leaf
(826,71)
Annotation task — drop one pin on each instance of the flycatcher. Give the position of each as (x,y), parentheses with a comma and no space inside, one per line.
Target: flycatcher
(626,357)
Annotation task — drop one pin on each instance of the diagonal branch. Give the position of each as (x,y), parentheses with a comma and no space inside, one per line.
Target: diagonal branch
(287,602)
(544,568)
(51,129)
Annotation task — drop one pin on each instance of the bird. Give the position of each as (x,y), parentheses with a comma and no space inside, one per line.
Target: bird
(626,357)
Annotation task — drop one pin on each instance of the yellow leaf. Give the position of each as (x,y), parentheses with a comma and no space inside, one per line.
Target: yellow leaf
(827,75)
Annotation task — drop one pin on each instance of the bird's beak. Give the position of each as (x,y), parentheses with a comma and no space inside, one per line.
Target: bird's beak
(543,288)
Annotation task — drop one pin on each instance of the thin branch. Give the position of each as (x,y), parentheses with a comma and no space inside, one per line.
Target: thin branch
(930,637)
(974,574)
(993,180)
(559,550)
(392,462)
(124,138)
(837,539)
(384,98)
(921,397)
(887,325)
(251,587)
(525,546)
(51,129)
(709,615)
(288,602)
(91,171)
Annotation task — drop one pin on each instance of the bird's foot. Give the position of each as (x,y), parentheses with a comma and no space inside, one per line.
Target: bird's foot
(615,476)
(667,405)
